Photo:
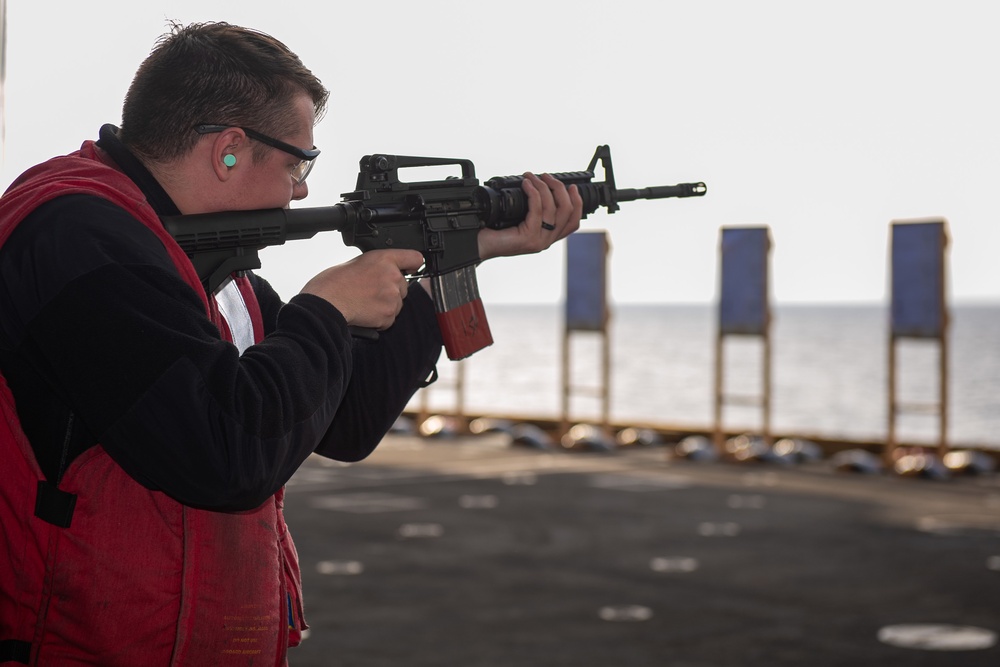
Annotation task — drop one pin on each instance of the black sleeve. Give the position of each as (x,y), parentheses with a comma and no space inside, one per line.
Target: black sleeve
(93,305)
(387,373)
(269,301)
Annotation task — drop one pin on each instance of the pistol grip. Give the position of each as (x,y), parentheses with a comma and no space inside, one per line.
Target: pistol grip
(460,313)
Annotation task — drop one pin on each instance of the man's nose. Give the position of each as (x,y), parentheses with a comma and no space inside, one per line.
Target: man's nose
(300,191)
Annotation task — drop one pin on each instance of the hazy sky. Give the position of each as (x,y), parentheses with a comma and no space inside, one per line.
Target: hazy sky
(823,120)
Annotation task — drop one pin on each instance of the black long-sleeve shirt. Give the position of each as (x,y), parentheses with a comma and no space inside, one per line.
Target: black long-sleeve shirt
(101,341)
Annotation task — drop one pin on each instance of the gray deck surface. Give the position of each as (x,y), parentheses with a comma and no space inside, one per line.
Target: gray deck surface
(472,552)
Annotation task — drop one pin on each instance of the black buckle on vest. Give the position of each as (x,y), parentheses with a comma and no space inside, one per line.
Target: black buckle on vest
(15,650)
(54,506)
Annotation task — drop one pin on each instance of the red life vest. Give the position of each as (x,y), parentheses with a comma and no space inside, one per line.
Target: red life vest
(102,570)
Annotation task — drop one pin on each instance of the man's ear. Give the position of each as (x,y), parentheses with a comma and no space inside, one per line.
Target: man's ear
(229,152)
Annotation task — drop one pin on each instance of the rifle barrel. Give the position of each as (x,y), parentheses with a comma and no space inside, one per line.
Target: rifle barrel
(662,192)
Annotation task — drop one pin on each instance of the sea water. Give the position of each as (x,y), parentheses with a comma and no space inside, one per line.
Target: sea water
(829,368)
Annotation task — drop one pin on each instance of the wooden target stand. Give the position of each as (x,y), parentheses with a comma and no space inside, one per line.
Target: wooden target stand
(744,309)
(919,311)
(586,313)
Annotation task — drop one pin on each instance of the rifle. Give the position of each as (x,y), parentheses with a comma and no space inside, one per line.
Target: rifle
(440,218)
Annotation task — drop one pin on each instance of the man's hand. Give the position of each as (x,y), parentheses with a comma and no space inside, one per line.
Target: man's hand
(369,289)
(554,213)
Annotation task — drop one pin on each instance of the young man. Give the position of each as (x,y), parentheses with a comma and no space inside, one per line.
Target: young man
(148,428)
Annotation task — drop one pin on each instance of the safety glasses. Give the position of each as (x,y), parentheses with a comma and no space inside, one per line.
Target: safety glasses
(307,157)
